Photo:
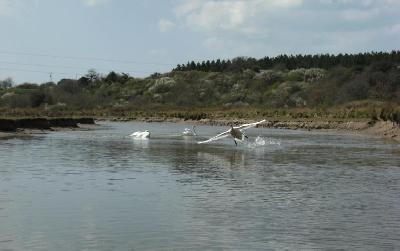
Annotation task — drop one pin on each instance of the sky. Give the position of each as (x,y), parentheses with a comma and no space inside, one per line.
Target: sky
(43,40)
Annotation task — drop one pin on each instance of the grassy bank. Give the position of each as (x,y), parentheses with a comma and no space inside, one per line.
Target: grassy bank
(357,110)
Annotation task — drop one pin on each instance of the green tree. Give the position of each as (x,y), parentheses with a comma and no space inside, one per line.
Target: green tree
(6,83)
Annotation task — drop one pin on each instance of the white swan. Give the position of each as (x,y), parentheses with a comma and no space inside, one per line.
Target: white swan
(189,132)
(237,133)
(141,135)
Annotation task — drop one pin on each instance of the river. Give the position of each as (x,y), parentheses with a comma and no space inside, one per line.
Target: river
(289,189)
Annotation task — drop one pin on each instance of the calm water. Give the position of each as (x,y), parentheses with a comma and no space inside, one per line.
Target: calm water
(101,190)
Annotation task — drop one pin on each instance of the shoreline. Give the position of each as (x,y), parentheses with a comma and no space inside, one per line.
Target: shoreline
(382,129)
(10,128)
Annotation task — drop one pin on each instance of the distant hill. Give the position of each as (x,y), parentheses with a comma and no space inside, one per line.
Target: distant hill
(283,82)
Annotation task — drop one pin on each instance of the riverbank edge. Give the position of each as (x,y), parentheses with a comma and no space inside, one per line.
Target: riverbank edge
(383,129)
(27,126)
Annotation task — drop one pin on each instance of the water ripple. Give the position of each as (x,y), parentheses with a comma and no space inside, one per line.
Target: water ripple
(281,189)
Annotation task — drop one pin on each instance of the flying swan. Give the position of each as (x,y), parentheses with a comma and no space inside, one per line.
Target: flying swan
(237,132)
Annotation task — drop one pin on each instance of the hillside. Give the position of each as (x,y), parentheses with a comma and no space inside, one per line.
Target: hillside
(341,86)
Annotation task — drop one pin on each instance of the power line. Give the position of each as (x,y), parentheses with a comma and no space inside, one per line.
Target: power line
(35,71)
(65,67)
(48,73)
(41,65)
(85,58)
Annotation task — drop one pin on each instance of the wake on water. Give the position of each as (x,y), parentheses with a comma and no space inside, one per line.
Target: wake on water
(260,142)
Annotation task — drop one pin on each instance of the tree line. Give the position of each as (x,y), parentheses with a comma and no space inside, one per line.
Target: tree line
(290,62)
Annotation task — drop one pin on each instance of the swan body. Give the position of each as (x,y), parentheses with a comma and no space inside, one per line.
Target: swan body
(236,132)
(141,135)
(189,132)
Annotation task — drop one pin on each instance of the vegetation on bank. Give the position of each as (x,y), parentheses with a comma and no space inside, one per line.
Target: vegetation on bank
(361,86)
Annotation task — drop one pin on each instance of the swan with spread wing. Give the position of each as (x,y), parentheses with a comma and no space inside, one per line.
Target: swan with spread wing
(237,132)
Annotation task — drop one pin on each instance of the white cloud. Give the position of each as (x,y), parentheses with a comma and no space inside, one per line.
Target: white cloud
(92,3)
(229,15)
(165,25)
(187,7)
(363,3)
(248,27)
(219,15)
(283,3)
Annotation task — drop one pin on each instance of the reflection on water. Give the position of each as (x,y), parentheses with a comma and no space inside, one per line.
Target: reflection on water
(103,190)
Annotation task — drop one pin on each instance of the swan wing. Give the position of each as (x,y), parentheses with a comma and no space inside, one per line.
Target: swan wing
(217,137)
(250,125)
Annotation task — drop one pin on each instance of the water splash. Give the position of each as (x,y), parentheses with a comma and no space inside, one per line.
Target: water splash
(261,142)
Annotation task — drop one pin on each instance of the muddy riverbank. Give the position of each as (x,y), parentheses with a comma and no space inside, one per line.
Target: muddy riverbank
(12,127)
